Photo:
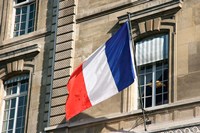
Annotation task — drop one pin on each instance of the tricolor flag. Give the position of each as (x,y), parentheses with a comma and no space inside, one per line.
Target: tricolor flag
(109,70)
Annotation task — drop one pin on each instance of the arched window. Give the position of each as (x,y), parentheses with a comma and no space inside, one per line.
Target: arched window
(152,61)
(15,100)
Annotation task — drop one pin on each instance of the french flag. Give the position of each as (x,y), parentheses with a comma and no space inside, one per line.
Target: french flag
(106,72)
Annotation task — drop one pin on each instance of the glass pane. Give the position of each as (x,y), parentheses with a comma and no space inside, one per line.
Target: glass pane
(24,9)
(158,99)
(159,75)
(149,68)
(26,88)
(17,19)
(22,88)
(31,15)
(148,91)
(19,121)
(22,32)
(22,130)
(23,121)
(158,87)
(141,80)
(142,91)
(10,126)
(18,11)
(5,116)
(14,90)
(25,100)
(165,99)
(24,110)
(32,7)
(159,65)
(21,101)
(18,130)
(166,74)
(7,104)
(30,24)
(19,113)
(23,18)
(149,102)
(165,86)
(141,69)
(13,103)
(23,25)
(30,30)
(149,79)
(165,63)
(12,113)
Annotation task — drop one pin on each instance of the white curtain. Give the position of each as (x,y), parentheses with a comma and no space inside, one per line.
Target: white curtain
(152,49)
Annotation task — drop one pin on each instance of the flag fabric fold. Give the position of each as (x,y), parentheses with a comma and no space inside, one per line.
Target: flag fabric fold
(109,70)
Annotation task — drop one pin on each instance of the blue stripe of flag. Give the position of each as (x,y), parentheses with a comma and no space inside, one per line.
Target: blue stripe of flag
(119,58)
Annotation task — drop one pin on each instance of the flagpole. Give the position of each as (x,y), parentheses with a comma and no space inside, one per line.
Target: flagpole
(140,94)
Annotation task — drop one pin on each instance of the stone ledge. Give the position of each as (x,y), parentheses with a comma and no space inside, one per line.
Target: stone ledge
(187,102)
(12,52)
(174,126)
(24,38)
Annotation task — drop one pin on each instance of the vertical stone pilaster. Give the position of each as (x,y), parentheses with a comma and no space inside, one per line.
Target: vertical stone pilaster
(63,53)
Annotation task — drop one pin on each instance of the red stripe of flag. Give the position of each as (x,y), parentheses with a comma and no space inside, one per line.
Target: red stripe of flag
(78,99)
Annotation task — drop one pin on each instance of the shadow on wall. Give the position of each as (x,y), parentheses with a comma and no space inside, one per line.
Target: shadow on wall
(84,123)
(44,89)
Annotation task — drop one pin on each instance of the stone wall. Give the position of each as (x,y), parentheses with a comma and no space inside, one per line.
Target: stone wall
(80,27)
(188,50)
(28,53)
(62,53)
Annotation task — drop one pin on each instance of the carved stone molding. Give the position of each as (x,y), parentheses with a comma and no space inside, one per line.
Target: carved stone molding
(150,25)
(17,51)
(165,9)
(15,66)
(192,129)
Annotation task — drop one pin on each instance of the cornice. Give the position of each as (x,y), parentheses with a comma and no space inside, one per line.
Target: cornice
(105,10)
(112,8)
(13,48)
(14,52)
(165,9)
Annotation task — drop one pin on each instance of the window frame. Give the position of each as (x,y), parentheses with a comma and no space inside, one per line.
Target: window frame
(15,96)
(153,73)
(26,3)
(153,95)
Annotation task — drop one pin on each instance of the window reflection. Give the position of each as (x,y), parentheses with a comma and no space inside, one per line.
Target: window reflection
(153,81)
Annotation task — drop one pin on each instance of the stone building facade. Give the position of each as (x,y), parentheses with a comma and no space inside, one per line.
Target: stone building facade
(43,41)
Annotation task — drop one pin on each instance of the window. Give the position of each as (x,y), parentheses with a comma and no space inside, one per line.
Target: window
(24,17)
(15,104)
(152,61)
